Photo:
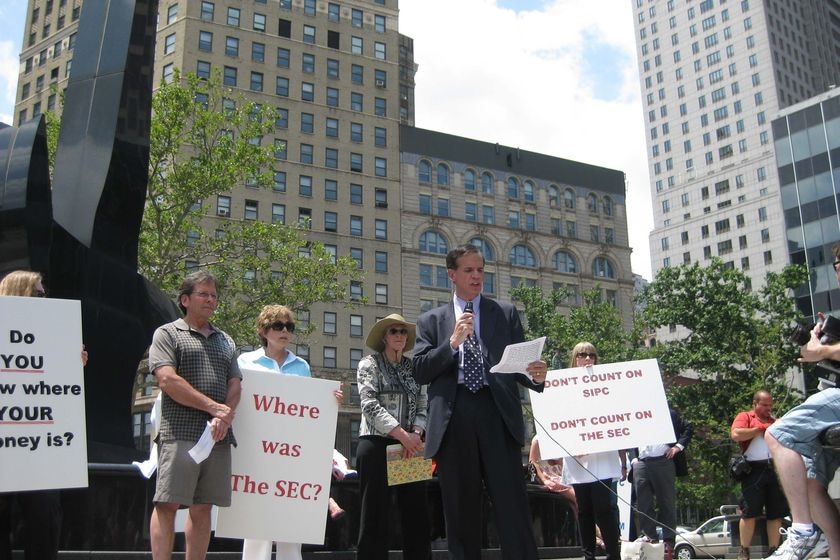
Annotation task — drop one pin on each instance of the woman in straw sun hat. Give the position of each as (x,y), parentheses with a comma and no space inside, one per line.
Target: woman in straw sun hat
(393,411)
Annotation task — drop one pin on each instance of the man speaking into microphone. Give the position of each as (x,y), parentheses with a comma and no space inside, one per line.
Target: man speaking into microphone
(474,429)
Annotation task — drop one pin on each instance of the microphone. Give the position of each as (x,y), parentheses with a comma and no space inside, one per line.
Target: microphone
(468,308)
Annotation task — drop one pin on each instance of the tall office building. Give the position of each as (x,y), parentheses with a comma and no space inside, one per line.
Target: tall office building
(713,73)
(807,141)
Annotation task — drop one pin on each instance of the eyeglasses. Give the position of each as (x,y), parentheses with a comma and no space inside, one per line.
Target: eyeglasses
(205,295)
(835,265)
(280,325)
(584,355)
(403,331)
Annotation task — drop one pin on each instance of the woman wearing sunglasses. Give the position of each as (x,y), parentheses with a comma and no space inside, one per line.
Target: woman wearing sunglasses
(593,477)
(393,410)
(276,328)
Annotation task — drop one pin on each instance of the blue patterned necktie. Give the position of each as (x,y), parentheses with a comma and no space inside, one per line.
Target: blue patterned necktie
(473,365)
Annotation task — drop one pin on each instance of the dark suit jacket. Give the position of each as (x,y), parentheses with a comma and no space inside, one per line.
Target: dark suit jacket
(684,432)
(436,365)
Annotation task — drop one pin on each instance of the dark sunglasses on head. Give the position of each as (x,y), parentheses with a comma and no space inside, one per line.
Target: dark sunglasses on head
(584,355)
(395,330)
(835,265)
(280,325)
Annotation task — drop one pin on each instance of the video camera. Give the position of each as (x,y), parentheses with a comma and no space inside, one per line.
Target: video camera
(827,370)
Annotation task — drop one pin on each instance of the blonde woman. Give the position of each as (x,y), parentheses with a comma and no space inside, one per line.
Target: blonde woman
(592,477)
(41,510)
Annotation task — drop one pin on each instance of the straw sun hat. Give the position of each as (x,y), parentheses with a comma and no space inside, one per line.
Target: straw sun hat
(376,336)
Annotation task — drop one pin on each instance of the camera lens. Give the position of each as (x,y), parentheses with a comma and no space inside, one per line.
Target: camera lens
(800,335)
(830,330)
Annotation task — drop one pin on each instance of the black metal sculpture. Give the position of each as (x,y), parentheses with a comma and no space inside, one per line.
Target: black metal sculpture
(82,235)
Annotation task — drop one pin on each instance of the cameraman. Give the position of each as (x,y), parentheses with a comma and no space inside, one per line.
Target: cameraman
(803,466)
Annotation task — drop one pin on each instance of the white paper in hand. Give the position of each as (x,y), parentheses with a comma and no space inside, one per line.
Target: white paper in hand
(202,449)
(516,357)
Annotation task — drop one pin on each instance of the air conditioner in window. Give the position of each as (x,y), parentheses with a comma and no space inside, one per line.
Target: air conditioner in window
(380,83)
(380,204)
(224,212)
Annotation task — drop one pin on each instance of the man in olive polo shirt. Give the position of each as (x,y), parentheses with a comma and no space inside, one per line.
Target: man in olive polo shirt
(195,365)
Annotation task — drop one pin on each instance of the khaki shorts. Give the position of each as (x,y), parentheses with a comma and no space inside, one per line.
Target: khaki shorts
(181,481)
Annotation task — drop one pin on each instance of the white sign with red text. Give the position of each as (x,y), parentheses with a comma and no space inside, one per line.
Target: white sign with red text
(282,464)
(43,444)
(604,407)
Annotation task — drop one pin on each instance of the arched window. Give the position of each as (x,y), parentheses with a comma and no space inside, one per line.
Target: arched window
(522,255)
(592,203)
(553,196)
(528,191)
(485,248)
(602,268)
(513,188)
(569,199)
(424,171)
(608,206)
(469,180)
(442,175)
(565,262)
(433,242)
(486,183)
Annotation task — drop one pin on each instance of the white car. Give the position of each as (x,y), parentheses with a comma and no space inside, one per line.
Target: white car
(712,538)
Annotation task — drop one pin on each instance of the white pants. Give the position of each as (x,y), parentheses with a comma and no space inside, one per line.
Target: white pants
(257,549)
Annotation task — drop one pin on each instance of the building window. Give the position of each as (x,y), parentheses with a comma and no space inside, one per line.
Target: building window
(330,221)
(380,107)
(329,357)
(381,229)
(278,213)
(564,262)
(522,255)
(259,22)
(331,158)
(356,225)
(381,261)
(356,194)
(171,14)
(381,294)
(229,76)
(356,162)
(223,206)
(233,17)
(307,91)
(256,83)
(169,42)
(309,34)
(602,268)
(380,167)
(207,11)
(251,209)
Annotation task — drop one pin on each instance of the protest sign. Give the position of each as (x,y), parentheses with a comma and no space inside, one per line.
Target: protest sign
(604,407)
(43,444)
(282,465)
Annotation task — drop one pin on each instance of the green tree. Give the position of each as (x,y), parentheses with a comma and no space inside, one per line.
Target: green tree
(205,140)
(734,343)
(262,263)
(596,321)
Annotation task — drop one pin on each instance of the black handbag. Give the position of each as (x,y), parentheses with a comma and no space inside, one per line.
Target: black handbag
(739,468)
